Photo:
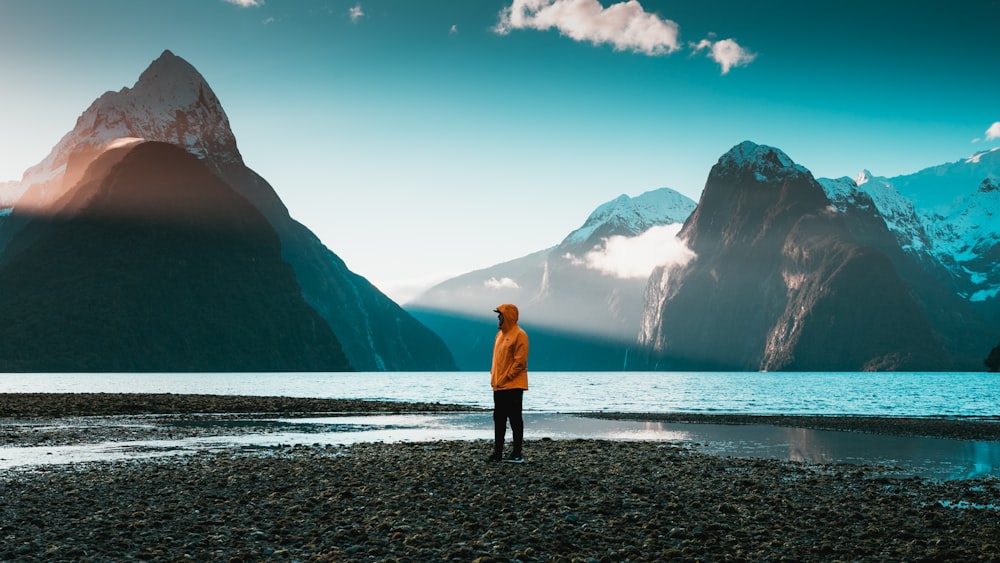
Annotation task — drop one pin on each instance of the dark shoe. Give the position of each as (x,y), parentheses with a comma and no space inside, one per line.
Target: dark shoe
(494,458)
(514,459)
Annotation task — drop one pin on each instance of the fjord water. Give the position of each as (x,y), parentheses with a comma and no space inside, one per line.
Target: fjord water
(874,394)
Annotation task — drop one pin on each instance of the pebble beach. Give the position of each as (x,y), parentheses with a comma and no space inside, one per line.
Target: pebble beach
(574,500)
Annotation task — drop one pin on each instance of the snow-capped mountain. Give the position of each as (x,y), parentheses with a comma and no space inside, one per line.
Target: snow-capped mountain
(967,240)
(866,191)
(631,216)
(783,281)
(765,164)
(172,103)
(957,230)
(582,298)
(936,188)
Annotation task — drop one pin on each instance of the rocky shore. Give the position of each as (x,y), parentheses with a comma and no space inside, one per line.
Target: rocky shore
(34,405)
(575,500)
(61,419)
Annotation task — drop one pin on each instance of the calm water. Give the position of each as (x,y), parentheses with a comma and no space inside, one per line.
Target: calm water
(883,394)
(552,393)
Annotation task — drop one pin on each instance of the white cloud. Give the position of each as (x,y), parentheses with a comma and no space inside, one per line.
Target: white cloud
(625,25)
(993,132)
(636,257)
(247,3)
(356,13)
(727,52)
(502,283)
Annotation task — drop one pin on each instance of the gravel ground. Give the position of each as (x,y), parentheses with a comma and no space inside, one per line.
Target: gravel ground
(578,500)
(575,500)
(33,405)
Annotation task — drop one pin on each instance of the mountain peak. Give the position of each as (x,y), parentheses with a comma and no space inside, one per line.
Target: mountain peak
(171,79)
(170,102)
(631,216)
(863,177)
(766,163)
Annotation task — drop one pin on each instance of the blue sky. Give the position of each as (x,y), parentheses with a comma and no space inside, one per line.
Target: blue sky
(425,139)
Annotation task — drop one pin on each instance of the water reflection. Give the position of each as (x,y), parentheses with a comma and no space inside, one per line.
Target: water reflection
(935,458)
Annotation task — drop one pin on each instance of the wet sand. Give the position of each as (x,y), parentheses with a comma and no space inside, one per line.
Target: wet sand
(575,500)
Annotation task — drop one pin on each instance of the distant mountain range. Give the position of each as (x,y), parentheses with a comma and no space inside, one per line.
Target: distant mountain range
(772,270)
(583,298)
(95,278)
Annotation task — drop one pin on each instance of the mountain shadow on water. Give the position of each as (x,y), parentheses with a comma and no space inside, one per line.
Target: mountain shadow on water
(152,263)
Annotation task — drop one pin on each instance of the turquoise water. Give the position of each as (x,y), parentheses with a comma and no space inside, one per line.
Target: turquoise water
(881,394)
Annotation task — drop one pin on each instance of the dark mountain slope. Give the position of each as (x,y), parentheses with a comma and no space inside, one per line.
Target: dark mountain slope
(156,265)
(171,102)
(780,283)
(377,334)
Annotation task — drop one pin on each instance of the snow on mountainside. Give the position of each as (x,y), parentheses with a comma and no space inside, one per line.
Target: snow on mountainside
(766,163)
(170,102)
(631,216)
(866,190)
(967,239)
(936,188)
(957,225)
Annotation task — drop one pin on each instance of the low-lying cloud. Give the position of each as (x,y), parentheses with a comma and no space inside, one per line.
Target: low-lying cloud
(636,257)
(502,283)
(626,25)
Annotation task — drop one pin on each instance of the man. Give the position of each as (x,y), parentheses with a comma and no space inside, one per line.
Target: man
(509,379)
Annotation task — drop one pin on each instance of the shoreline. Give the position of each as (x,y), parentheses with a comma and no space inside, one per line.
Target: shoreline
(30,408)
(54,405)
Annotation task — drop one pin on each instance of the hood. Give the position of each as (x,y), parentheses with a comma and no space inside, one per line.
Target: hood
(509,315)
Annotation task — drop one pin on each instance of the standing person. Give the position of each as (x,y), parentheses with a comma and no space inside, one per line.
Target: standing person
(509,379)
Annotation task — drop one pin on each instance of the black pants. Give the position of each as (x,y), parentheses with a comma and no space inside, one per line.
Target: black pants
(507,406)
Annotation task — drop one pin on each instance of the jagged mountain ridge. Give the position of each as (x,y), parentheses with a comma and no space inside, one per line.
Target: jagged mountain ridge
(956,242)
(171,102)
(791,273)
(937,187)
(786,280)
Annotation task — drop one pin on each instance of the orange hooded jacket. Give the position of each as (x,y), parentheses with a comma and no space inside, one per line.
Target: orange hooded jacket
(510,353)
